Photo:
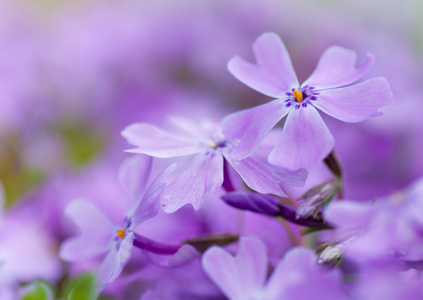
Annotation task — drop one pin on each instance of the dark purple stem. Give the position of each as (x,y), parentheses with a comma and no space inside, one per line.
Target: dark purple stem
(227,183)
(147,244)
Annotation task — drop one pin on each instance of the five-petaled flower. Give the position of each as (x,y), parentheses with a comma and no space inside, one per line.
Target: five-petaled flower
(209,155)
(305,139)
(100,235)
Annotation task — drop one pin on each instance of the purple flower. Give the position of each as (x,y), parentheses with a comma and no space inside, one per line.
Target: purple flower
(388,229)
(208,151)
(305,139)
(297,276)
(99,235)
(382,281)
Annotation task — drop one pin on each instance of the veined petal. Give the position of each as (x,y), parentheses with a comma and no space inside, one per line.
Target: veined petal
(337,68)
(153,141)
(240,277)
(148,205)
(115,260)
(96,232)
(304,142)
(273,75)
(356,102)
(265,178)
(200,179)
(247,128)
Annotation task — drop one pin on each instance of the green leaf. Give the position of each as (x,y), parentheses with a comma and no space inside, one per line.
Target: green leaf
(82,288)
(38,291)
(82,143)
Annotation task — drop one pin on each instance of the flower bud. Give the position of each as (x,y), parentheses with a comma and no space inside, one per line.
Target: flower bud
(314,200)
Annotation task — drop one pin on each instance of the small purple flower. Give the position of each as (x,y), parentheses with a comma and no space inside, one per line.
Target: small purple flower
(297,276)
(99,235)
(209,153)
(305,138)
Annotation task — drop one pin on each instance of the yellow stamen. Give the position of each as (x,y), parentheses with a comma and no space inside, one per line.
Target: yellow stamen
(298,95)
(211,144)
(121,233)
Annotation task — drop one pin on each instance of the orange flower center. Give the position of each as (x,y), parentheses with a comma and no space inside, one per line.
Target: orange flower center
(298,95)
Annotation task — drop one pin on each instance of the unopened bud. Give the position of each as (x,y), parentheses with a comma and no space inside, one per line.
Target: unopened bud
(331,254)
(314,200)
(259,203)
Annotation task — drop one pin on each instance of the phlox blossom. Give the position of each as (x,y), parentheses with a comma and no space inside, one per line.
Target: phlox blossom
(305,139)
(209,153)
(99,235)
(296,276)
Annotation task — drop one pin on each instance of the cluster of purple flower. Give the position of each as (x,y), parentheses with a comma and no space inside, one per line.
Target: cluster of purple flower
(211,203)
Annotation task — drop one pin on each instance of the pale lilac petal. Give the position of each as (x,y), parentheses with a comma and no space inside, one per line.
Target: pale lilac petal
(287,271)
(356,102)
(337,67)
(304,142)
(247,128)
(251,260)
(265,178)
(96,232)
(200,179)
(273,74)
(148,205)
(115,260)
(153,141)
(223,271)
(134,173)
(242,276)
(299,277)
(185,254)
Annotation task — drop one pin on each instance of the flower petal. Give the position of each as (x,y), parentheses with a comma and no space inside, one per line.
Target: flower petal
(115,260)
(242,276)
(273,75)
(153,141)
(247,128)
(96,232)
(304,142)
(265,178)
(298,276)
(148,205)
(337,68)
(200,179)
(134,173)
(222,269)
(356,102)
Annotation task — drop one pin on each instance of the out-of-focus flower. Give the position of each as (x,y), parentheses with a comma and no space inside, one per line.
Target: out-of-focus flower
(382,281)
(389,228)
(297,276)
(305,139)
(27,250)
(210,151)
(99,235)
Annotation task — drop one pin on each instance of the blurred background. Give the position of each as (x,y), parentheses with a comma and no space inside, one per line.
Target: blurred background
(73,74)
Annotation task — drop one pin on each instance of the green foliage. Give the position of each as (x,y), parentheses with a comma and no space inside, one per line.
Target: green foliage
(82,287)
(82,144)
(38,291)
